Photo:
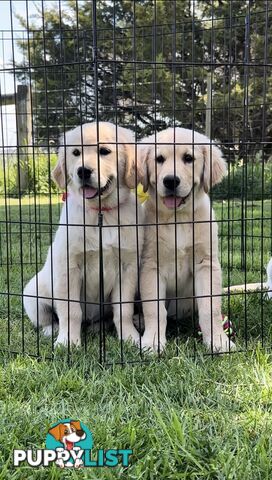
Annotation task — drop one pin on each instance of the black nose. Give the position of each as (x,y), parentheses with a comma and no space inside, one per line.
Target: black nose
(80,433)
(171,182)
(84,173)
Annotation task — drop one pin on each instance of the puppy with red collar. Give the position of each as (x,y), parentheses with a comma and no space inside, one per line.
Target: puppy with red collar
(97,166)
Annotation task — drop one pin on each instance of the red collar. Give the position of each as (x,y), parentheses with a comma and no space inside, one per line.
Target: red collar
(65,195)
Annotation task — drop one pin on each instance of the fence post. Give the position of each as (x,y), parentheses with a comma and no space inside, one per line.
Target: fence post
(24,135)
(208,120)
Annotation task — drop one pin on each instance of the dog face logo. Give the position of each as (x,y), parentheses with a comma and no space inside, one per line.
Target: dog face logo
(68,433)
(69,438)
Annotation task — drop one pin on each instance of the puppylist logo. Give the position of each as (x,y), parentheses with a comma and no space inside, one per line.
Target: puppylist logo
(69,444)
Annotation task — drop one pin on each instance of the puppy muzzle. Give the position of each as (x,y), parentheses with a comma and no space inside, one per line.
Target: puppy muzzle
(90,189)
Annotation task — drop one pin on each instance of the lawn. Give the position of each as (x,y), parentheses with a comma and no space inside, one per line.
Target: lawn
(186,415)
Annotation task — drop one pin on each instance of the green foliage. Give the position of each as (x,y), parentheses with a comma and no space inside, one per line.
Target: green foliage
(131,93)
(175,45)
(38,168)
(252,180)
(249,180)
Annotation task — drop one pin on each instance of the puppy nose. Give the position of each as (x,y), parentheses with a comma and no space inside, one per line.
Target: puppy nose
(80,433)
(171,182)
(84,173)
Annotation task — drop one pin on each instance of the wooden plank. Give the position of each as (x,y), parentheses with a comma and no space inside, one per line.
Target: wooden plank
(24,135)
(8,99)
(249,287)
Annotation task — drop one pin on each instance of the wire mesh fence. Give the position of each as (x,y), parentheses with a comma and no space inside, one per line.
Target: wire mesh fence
(135,240)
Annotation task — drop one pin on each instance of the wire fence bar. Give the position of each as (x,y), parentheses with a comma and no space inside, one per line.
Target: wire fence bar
(111,117)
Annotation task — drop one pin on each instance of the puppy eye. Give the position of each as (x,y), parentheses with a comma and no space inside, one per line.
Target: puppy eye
(104,151)
(66,431)
(160,159)
(187,158)
(76,152)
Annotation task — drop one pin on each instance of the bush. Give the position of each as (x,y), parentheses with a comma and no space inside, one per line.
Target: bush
(39,181)
(251,180)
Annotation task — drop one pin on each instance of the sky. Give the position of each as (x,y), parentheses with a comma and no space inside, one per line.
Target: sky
(7,47)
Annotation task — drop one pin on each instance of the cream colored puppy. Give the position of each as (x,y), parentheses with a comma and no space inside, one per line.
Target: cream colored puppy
(178,169)
(92,171)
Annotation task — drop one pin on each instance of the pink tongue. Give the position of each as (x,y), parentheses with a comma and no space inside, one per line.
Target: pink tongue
(172,202)
(69,445)
(89,192)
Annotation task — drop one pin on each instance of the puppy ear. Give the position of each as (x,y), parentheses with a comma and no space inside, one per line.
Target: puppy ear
(131,169)
(76,424)
(56,432)
(214,168)
(143,151)
(126,137)
(58,173)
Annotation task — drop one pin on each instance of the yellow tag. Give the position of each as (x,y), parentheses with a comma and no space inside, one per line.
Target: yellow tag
(141,195)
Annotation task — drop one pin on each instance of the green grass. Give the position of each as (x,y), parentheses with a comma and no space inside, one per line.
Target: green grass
(186,416)
(184,419)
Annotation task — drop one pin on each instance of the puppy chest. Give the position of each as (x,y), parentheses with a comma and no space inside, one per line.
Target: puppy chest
(95,265)
(175,241)
(168,248)
(114,263)
(110,237)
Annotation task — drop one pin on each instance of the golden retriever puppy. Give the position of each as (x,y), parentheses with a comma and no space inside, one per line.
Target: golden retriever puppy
(179,166)
(97,164)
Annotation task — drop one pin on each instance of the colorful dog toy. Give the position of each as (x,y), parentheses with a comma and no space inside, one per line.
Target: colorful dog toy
(227,327)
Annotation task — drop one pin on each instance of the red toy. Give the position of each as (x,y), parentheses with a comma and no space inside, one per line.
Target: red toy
(227,327)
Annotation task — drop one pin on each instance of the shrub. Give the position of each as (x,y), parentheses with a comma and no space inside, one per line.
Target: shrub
(251,180)
(38,175)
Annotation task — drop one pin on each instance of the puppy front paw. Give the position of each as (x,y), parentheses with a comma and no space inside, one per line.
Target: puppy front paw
(62,340)
(129,334)
(60,463)
(152,343)
(78,463)
(47,330)
(220,343)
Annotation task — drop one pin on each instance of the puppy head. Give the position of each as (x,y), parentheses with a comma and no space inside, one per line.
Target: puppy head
(177,162)
(94,158)
(68,432)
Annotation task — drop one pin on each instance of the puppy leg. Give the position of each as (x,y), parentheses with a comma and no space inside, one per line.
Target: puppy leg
(124,322)
(68,307)
(210,316)
(154,312)
(38,308)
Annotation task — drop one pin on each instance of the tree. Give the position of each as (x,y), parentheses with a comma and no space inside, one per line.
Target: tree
(146,64)
(131,37)
(239,45)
